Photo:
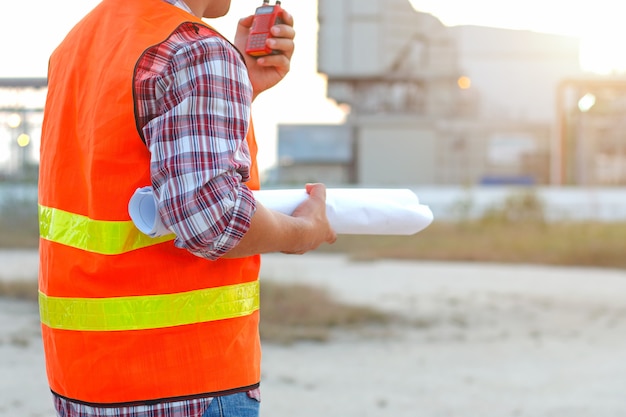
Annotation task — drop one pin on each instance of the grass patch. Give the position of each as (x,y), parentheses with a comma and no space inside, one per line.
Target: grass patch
(295,312)
(19,224)
(19,290)
(566,244)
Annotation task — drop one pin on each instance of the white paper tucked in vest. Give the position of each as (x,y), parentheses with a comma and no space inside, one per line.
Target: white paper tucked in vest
(365,211)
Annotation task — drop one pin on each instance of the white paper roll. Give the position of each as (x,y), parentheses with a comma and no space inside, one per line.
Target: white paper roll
(366,211)
(143,212)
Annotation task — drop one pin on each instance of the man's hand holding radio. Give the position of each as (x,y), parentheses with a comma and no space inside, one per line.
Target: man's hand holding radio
(267,70)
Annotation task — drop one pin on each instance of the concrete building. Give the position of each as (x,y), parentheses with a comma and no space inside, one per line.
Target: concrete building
(432,104)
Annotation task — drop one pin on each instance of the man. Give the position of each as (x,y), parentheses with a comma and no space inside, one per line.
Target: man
(140,93)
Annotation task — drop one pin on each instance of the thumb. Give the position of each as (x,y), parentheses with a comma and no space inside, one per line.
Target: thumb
(316,190)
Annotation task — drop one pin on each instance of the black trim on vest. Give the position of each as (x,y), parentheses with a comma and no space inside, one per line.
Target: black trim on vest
(160,400)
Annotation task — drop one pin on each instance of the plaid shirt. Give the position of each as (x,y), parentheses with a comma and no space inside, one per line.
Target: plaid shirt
(193,99)
(188,408)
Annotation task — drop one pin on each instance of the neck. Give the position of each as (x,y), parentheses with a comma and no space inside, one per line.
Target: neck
(197,7)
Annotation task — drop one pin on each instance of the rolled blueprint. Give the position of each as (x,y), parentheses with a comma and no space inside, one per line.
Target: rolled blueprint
(361,211)
(364,211)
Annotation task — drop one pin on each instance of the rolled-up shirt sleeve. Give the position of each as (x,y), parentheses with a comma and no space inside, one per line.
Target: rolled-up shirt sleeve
(197,139)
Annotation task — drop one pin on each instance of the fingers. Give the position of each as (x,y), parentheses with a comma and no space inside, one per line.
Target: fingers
(283,35)
(287,18)
(282,42)
(280,63)
(284,45)
(283,30)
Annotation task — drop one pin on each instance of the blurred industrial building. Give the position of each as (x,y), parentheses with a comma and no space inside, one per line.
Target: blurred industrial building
(465,105)
(428,105)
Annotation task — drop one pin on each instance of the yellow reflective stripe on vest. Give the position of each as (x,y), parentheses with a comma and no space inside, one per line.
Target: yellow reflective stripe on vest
(151,311)
(99,236)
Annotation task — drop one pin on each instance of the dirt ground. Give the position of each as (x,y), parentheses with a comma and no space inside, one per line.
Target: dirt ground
(477,340)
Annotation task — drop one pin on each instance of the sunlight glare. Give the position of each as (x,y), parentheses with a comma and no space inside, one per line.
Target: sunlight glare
(602,46)
(598,25)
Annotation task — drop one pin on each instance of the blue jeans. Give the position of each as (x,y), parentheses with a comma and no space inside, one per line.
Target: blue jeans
(235,405)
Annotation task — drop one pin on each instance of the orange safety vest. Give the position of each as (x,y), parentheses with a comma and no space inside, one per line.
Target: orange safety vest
(125,318)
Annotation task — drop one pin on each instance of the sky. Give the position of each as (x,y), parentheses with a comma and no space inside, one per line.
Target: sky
(31,29)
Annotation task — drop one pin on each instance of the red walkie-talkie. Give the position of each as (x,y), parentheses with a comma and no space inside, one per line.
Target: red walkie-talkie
(265,17)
